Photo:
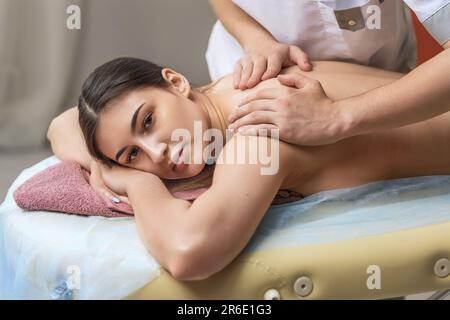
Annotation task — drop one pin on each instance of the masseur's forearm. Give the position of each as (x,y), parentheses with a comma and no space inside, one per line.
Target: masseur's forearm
(239,24)
(66,138)
(420,95)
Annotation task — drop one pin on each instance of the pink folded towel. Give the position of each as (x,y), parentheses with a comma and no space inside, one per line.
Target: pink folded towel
(64,187)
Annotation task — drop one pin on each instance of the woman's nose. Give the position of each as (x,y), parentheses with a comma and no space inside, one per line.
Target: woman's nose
(156,150)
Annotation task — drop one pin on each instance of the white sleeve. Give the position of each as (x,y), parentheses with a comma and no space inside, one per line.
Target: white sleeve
(434,15)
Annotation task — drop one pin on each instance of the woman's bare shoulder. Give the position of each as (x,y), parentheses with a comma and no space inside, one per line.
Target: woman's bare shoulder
(319,68)
(219,85)
(337,67)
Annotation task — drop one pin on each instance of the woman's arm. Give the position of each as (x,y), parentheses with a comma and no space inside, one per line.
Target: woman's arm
(194,241)
(66,138)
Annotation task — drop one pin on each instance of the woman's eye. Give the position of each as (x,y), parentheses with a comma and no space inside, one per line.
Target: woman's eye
(148,120)
(132,155)
(146,123)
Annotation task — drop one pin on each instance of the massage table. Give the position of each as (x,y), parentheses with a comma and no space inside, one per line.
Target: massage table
(380,240)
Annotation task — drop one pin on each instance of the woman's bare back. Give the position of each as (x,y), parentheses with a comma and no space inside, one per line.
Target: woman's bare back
(414,150)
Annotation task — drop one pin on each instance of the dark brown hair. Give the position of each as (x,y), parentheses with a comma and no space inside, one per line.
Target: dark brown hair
(106,83)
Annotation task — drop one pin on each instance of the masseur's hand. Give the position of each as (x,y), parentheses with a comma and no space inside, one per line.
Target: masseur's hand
(102,186)
(264,60)
(300,110)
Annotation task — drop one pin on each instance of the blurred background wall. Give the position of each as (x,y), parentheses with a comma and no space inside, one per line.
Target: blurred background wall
(43,63)
(36,58)
(171,33)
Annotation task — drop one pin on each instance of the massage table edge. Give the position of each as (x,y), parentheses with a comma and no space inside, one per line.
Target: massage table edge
(337,270)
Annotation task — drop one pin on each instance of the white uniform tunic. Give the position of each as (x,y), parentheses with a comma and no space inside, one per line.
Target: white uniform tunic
(378,33)
(435,16)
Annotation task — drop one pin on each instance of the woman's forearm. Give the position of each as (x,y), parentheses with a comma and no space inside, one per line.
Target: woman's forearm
(160,220)
(195,241)
(66,138)
(172,230)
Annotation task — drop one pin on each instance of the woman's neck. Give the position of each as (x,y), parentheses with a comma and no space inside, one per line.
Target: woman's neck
(211,106)
(219,99)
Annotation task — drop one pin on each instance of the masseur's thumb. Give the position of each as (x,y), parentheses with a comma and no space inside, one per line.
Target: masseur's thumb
(294,80)
(300,58)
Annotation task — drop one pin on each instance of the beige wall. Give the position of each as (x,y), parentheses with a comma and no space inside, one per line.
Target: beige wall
(37,56)
(169,32)
(43,64)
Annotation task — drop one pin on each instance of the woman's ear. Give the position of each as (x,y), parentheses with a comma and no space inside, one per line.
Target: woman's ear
(177,81)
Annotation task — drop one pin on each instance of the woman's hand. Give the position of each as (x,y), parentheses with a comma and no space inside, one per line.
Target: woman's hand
(106,183)
(265,60)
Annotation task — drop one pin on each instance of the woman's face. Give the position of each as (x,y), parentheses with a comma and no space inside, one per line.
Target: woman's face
(135,131)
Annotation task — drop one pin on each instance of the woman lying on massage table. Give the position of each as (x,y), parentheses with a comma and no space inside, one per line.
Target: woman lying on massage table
(129,109)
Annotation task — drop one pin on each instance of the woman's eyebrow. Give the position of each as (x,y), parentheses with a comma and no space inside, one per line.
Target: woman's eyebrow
(135,116)
(119,153)
(133,128)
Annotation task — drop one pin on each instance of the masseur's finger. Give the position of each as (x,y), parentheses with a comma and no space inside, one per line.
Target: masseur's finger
(300,58)
(258,130)
(253,118)
(247,69)
(257,105)
(294,80)
(273,67)
(271,93)
(237,74)
(259,67)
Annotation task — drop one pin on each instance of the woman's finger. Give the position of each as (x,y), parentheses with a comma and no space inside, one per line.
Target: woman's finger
(115,198)
(247,68)
(109,195)
(124,199)
(273,67)
(257,105)
(259,67)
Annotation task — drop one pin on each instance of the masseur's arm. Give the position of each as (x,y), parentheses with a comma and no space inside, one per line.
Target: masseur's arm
(194,241)
(420,95)
(239,24)
(265,56)
(314,119)
(66,139)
